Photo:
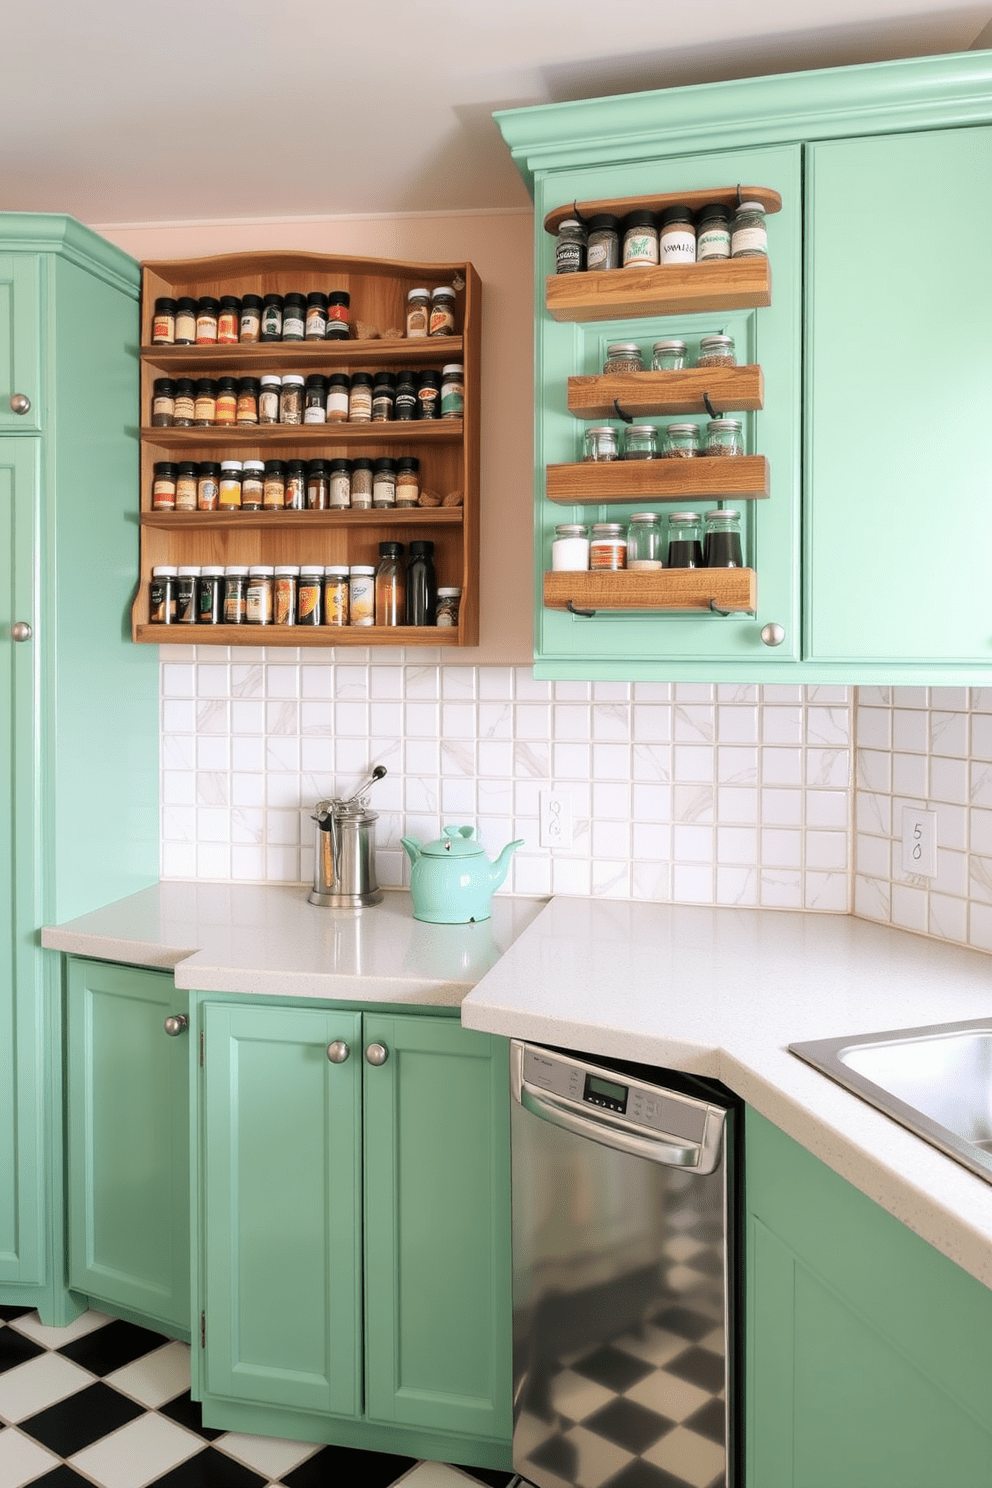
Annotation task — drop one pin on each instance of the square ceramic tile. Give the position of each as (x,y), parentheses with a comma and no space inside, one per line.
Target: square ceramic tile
(138,1453)
(30,1387)
(22,1460)
(265,1454)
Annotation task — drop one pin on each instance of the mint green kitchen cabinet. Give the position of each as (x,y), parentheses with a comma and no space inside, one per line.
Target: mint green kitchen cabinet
(127,1142)
(354,1222)
(80,725)
(869,1354)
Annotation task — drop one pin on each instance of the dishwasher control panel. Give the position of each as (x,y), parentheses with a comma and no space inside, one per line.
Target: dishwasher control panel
(647,1105)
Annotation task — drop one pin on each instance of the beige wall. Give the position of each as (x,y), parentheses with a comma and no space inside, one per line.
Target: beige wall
(500,247)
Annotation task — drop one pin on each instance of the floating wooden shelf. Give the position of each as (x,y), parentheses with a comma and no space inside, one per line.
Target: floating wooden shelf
(619,206)
(303,521)
(730,389)
(620,482)
(298,635)
(277,437)
(732,589)
(248,359)
(670,289)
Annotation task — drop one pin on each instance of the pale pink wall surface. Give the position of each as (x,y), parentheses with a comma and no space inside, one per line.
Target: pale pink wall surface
(501,248)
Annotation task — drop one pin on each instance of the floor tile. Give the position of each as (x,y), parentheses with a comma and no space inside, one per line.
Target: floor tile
(268,1455)
(489,1475)
(333,1466)
(81,1419)
(435,1475)
(62,1476)
(53,1338)
(211,1469)
(109,1348)
(6,1313)
(40,1382)
(21,1459)
(16,1350)
(189,1414)
(156,1377)
(137,1454)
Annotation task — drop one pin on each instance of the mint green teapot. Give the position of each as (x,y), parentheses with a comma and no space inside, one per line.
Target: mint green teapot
(452,881)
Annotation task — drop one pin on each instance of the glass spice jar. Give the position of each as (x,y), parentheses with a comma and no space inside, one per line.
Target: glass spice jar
(268,398)
(318,488)
(384,482)
(681,442)
(315,399)
(640,240)
(677,238)
(162,594)
(338,304)
(284,597)
(429,394)
(339,483)
(361,598)
(361,484)
(407,481)
(259,594)
(685,549)
(570,549)
(185,407)
(603,248)
(570,247)
(210,595)
(187,477)
(724,436)
(418,313)
(338,387)
(272,306)
(186,582)
(452,391)
(229,491)
(716,351)
(208,486)
(644,541)
(405,401)
(668,356)
(228,320)
(226,408)
(712,233)
(248,390)
(294,317)
(608,546)
(310,594)
(315,328)
(205,407)
(623,356)
(383,396)
(250,326)
(235,589)
(640,442)
(164,322)
(600,443)
(164,476)
(185,321)
(252,485)
(360,398)
(291,398)
(722,539)
(296,485)
(748,233)
(390,585)
(448,604)
(163,402)
(207,310)
(336,594)
(273,485)
(442,321)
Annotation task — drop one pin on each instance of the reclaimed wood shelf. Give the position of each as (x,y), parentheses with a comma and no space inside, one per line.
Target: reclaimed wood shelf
(619,206)
(275,521)
(729,589)
(252,358)
(281,437)
(298,635)
(733,389)
(669,289)
(620,482)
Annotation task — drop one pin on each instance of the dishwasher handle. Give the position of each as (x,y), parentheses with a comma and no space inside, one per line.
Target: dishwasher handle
(606,1133)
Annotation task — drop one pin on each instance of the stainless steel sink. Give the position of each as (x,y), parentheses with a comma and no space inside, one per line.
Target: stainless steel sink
(937,1081)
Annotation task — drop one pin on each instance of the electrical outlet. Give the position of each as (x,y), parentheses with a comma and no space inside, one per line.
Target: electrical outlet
(919,842)
(556,818)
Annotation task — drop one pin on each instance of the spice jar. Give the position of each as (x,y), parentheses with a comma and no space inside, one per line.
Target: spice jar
(339,483)
(315,399)
(164,322)
(712,233)
(207,310)
(210,595)
(318,490)
(360,398)
(668,356)
(284,598)
(252,485)
(361,484)
(185,406)
(600,443)
(685,549)
(442,321)
(338,387)
(722,540)
(452,391)
(336,594)
(421,585)
(407,481)
(418,313)
(250,328)
(296,485)
(259,594)
(384,482)
(310,594)
(164,486)
(185,587)
(429,394)
(247,408)
(226,411)
(448,604)
(271,318)
(273,485)
(405,401)
(187,477)
(162,595)
(185,321)
(390,585)
(748,233)
(291,398)
(235,591)
(383,393)
(316,318)
(163,402)
(644,541)
(603,249)
(361,597)
(338,303)
(268,398)
(640,240)
(228,320)
(205,407)
(716,351)
(570,549)
(640,442)
(208,486)
(677,238)
(294,317)
(681,442)
(608,546)
(229,492)
(623,356)
(724,436)
(570,249)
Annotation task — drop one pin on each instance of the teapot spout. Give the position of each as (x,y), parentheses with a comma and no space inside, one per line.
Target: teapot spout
(501,867)
(412,848)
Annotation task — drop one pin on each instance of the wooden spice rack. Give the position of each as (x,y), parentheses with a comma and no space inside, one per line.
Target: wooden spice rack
(619,206)
(669,289)
(642,394)
(726,589)
(448,450)
(620,482)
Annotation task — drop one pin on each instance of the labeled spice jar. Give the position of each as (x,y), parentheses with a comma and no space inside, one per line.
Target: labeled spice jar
(207,311)
(640,240)
(291,398)
(228,321)
(248,390)
(623,356)
(421,585)
(294,317)
(600,443)
(210,595)
(603,248)
(310,594)
(712,233)
(235,593)
(570,549)
(338,304)
(268,398)
(164,486)
(685,548)
(640,442)
(608,546)
(208,486)
(724,436)
(273,486)
(318,488)
(418,313)
(716,351)
(271,318)
(361,484)
(284,599)
(185,586)
(446,610)
(336,594)
(339,485)
(442,321)
(162,595)
(164,322)
(229,493)
(722,539)
(681,442)
(407,481)
(296,485)
(315,328)
(250,327)
(163,402)
(749,233)
(315,399)
(452,391)
(185,406)
(390,585)
(361,596)
(338,387)
(384,482)
(570,248)
(227,400)
(405,401)
(383,394)
(677,237)
(205,407)
(644,541)
(252,485)
(360,398)
(429,394)
(668,356)
(187,478)
(185,321)
(259,597)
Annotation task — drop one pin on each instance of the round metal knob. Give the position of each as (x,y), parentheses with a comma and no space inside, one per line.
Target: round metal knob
(338,1052)
(20,403)
(376,1053)
(176,1025)
(772,635)
(20,631)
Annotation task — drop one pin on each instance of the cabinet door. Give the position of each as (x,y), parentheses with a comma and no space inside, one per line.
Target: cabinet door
(127,1102)
(22,1089)
(900,521)
(668,644)
(868,1355)
(20,339)
(437,1245)
(280,1196)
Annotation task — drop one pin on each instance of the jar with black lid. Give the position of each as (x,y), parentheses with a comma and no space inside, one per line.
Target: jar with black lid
(274,486)
(360,398)
(316,319)
(164,475)
(250,328)
(640,240)
(162,595)
(185,582)
(338,304)
(603,249)
(207,311)
(291,399)
(361,484)
(271,318)
(185,321)
(296,485)
(318,486)
(712,233)
(294,317)
(164,322)
(208,486)
(383,396)
(677,239)
(235,587)
(429,394)
(229,320)
(384,482)
(407,481)
(185,406)
(315,399)
(210,594)
(187,477)
(338,389)
(205,408)
(252,485)
(248,390)
(405,401)
(163,402)
(227,401)
(570,248)
(339,483)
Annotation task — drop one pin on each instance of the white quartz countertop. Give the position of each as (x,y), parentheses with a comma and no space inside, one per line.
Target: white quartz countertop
(266,939)
(723,992)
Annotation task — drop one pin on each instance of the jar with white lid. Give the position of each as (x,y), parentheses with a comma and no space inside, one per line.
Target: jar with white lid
(361,597)
(717,351)
(448,604)
(600,443)
(644,541)
(724,436)
(640,442)
(623,356)
(570,549)
(608,547)
(668,356)
(748,233)
(259,594)
(681,441)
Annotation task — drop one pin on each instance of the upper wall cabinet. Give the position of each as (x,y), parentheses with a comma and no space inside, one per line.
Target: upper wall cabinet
(861,356)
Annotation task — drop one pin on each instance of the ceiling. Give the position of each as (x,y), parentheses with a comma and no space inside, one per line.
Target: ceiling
(118,112)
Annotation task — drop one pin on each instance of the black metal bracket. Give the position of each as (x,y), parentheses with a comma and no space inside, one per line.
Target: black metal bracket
(628,418)
(586,614)
(714,607)
(709,407)
(740,199)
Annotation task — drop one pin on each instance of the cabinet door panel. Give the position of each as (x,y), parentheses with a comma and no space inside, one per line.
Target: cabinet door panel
(437,1251)
(900,527)
(20,339)
(128,1140)
(280,1197)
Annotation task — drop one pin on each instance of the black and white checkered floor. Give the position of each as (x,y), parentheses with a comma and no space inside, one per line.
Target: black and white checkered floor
(104,1404)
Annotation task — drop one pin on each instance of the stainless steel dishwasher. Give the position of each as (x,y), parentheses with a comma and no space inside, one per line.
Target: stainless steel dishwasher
(625,1358)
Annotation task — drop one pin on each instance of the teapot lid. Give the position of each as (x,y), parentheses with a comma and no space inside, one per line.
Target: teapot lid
(456,842)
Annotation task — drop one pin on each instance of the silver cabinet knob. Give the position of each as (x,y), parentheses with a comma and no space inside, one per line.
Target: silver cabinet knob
(772,635)
(376,1053)
(20,631)
(338,1052)
(20,403)
(176,1025)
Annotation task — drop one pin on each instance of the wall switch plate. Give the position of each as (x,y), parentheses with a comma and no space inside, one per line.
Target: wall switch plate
(919,842)
(556,818)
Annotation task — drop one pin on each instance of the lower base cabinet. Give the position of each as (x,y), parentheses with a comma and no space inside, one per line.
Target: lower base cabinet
(869,1357)
(355,1230)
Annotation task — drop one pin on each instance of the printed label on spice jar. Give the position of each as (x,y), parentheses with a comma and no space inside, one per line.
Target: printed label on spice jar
(678,246)
(340,489)
(272,324)
(608,553)
(163,329)
(362,599)
(186,493)
(274,493)
(338,312)
(640,248)
(206,330)
(227,328)
(749,240)
(185,407)
(292,328)
(226,411)
(337,405)
(315,413)
(361,405)
(452,400)
(442,323)
(336,601)
(251,325)
(185,325)
(285,612)
(308,601)
(417,321)
(598,255)
(247,408)
(384,490)
(713,243)
(164,494)
(163,409)
(207,493)
(316,323)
